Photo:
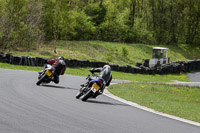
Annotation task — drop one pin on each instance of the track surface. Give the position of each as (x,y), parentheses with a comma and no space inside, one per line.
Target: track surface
(193,77)
(27,108)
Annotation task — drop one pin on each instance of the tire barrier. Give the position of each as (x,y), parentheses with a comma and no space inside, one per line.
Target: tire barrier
(174,67)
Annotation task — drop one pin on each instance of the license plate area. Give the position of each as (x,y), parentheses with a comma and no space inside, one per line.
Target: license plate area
(48,73)
(95,87)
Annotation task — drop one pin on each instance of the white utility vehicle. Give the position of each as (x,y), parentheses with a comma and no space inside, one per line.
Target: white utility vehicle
(160,57)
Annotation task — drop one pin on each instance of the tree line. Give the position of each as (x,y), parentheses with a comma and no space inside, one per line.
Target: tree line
(27,22)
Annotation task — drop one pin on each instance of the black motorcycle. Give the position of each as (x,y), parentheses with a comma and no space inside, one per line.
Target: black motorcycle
(46,76)
(90,92)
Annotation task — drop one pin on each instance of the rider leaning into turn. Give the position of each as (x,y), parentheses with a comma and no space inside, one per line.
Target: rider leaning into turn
(59,65)
(104,76)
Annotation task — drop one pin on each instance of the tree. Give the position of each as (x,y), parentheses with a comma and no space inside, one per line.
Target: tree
(26,22)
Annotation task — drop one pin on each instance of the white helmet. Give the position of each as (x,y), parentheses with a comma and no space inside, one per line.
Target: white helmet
(106,66)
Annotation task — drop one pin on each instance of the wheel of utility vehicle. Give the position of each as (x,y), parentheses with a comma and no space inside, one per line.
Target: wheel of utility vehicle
(41,79)
(87,95)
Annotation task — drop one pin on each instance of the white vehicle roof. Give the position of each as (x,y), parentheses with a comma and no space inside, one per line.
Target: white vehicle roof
(161,48)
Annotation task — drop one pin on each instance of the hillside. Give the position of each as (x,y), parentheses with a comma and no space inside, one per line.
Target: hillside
(113,53)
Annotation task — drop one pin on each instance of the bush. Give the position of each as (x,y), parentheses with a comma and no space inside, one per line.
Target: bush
(20,22)
(81,28)
(125,52)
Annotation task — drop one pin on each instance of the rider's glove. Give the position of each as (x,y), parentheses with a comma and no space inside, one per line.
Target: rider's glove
(92,70)
(45,61)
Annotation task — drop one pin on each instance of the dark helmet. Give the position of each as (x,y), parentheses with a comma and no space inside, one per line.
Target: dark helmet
(61,58)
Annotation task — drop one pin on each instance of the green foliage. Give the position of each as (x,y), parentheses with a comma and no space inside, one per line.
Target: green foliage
(125,52)
(62,22)
(97,13)
(19,25)
(27,22)
(82,28)
(108,56)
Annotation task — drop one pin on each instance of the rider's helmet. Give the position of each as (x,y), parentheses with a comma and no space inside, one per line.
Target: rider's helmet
(61,58)
(106,67)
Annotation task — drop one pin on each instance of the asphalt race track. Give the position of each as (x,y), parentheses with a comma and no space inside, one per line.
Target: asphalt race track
(27,108)
(194,77)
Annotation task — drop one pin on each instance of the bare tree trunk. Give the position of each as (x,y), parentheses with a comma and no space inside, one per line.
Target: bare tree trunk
(86,2)
(101,2)
(132,13)
(153,14)
(173,23)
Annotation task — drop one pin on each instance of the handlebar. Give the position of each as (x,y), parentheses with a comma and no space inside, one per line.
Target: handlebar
(93,75)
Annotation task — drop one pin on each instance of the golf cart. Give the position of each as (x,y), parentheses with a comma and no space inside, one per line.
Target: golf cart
(159,57)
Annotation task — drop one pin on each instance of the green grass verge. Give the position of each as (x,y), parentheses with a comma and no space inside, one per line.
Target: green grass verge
(176,100)
(116,75)
(18,67)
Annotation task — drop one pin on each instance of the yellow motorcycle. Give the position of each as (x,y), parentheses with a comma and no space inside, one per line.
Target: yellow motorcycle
(46,76)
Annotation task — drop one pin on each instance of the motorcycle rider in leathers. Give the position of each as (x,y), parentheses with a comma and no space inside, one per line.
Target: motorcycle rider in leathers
(104,73)
(59,65)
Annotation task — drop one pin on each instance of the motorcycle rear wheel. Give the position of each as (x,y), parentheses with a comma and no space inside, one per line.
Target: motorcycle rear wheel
(78,95)
(87,95)
(41,79)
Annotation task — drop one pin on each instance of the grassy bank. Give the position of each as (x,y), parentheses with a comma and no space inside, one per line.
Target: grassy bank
(113,53)
(116,75)
(176,100)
